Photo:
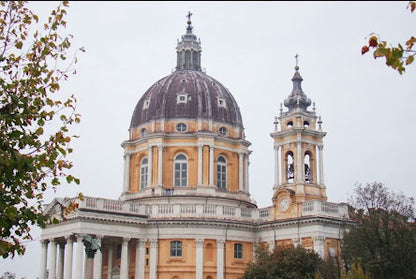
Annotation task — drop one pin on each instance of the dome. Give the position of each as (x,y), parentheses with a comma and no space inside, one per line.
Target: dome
(187,94)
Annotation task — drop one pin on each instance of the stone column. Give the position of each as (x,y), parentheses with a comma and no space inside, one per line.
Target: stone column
(126,185)
(43,259)
(240,171)
(271,245)
(276,166)
(124,262)
(110,260)
(211,165)
(299,168)
(68,258)
(319,245)
(149,168)
(140,258)
(200,146)
(153,258)
(98,260)
(52,260)
(321,165)
(78,258)
(199,243)
(247,186)
(220,258)
(60,267)
(160,165)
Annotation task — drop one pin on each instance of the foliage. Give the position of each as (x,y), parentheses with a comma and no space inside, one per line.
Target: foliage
(396,57)
(356,272)
(285,262)
(34,119)
(384,237)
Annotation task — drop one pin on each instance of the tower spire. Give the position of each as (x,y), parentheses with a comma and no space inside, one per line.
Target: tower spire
(297,99)
(189,49)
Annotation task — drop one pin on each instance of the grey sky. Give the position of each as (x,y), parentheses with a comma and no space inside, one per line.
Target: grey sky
(367,109)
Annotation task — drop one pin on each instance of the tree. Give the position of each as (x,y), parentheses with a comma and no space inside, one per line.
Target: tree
(286,262)
(396,57)
(34,118)
(383,240)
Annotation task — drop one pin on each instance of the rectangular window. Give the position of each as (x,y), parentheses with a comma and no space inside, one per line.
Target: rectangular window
(118,255)
(176,248)
(238,251)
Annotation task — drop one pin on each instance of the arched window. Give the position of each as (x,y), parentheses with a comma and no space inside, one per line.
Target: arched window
(290,167)
(221,173)
(143,173)
(187,59)
(308,171)
(181,170)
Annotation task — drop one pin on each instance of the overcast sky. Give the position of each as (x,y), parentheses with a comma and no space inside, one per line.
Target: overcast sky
(367,108)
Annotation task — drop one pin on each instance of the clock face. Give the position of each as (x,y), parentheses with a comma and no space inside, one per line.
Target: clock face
(284,204)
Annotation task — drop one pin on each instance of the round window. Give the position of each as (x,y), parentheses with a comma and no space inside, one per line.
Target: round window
(181,127)
(223,131)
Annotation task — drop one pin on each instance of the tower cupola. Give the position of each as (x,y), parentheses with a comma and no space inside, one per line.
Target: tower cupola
(189,49)
(297,99)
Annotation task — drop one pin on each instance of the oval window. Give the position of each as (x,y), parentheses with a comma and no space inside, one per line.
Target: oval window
(223,131)
(143,132)
(181,127)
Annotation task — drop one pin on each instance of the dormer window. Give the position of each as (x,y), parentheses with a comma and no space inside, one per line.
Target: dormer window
(146,104)
(143,132)
(182,98)
(221,102)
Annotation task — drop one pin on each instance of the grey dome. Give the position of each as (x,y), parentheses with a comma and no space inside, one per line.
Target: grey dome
(206,98)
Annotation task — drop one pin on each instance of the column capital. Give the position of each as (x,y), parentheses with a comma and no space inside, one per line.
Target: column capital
(99,237)
(320,147)
(199,242)
(276,145)
(44,242)
(160,146)
(153,243)
(319,240)
(68,237)
(140,243)
(220,243)
(126,239)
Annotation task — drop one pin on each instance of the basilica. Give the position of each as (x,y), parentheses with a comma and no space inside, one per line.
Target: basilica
(185,210)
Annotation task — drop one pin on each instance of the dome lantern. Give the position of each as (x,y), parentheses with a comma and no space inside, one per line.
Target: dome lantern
(189,50)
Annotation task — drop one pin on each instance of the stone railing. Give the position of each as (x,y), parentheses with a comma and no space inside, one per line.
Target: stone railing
(170,210)
(209,211)
(322,208)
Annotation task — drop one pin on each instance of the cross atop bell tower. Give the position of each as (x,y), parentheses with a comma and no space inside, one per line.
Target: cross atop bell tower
(298,147)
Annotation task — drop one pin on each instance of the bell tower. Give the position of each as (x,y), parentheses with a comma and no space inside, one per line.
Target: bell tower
(298,147)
